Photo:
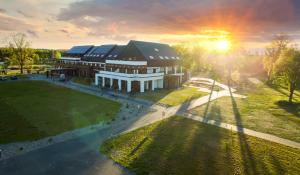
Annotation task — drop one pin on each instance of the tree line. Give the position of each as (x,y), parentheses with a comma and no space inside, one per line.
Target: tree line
(279,63)
(19,52)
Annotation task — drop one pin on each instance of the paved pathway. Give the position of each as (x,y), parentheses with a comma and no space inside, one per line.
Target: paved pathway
(246,131)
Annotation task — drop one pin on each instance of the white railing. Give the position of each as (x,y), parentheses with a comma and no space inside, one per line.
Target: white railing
(127,75)
(121,62)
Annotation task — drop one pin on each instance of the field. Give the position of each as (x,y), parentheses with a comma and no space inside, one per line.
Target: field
(182,146)
(172,97)
(32,110)
(265,110)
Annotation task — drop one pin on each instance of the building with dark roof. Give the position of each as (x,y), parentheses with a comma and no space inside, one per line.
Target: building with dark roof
(138,66)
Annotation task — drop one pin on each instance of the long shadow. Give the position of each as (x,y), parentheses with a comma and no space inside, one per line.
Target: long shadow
(246,152)
(279,89)
(209,100)
(292,108)
(179,146)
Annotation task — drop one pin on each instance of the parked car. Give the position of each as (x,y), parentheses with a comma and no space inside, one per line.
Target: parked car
(3,78)
(14,78)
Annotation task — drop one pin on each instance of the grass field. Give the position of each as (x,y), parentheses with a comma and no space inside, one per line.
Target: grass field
(182,146)
(265,110)
(172,97)
(31,110)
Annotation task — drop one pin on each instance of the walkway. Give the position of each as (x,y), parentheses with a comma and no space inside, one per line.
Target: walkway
(246,131)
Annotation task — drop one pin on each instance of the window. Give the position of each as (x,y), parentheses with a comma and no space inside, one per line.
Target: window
(102,55)
(161,57)
(177,58)
(166,57)
(109,55)
(173,58)
(151,57)
(115,56)
(157,50)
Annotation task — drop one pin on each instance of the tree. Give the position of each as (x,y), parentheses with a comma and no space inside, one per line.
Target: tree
(287,67)
(273,52)
(56,54)
(20,47)
(186,58)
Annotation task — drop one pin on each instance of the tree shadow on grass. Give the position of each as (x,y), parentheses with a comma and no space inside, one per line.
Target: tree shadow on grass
(208,103)
(292,108)
(281,90)
(179,146)
(246,152)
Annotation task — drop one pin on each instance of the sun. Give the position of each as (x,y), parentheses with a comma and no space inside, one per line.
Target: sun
(223,45)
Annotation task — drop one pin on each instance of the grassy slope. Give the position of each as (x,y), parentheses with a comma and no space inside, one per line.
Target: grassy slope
(264,110)
(172,97)
(183,146)
(31,110)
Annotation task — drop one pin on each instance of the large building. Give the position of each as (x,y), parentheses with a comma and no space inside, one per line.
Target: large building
(136,67)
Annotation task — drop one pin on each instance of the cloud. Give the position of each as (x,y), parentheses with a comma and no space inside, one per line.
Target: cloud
(2,10)
(25,14)
(182,17)
(8,23)
(32,33)
(64,31)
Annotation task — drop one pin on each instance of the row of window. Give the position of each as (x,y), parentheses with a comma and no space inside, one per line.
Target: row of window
(96,55)
(166,57)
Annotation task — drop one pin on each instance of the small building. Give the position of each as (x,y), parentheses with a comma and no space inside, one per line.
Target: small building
(141,66)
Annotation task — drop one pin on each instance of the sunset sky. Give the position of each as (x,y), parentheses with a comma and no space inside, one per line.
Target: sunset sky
(63,23)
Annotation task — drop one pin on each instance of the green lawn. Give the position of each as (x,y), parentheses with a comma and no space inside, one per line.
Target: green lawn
(182,146)
(32,110)
(172,97)
(265,110)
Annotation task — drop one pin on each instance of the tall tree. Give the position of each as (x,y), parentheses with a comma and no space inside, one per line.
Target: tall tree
(273,52)
(20,48)
(288,68)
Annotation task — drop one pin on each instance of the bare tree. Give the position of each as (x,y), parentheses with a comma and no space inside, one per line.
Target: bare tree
(20,48)
(273,52)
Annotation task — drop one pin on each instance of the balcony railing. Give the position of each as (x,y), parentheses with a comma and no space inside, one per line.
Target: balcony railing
(128,75)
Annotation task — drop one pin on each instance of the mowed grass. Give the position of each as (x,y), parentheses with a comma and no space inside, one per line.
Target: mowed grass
(172,97)
(181,146)
(265,110)
(32,110)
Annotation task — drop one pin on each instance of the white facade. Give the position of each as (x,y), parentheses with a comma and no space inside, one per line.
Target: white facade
(144,80)
(152,79)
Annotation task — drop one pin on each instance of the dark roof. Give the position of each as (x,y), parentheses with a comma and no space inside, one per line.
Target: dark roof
(156,51)
(98,53)
(79,49)
(115,52)
(156,54)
